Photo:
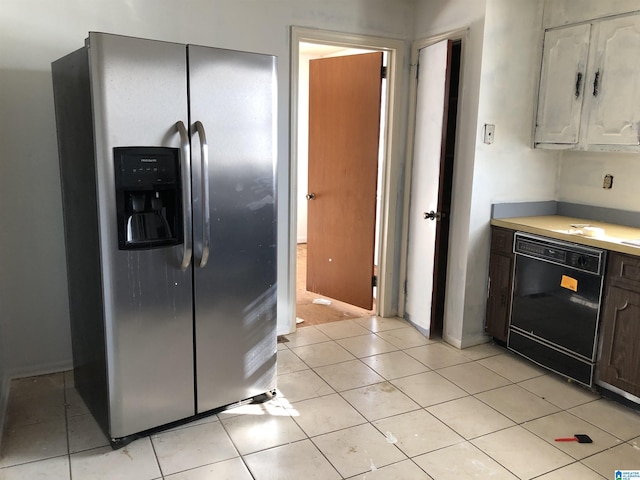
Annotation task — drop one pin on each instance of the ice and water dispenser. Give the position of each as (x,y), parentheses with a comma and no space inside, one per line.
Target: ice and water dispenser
(148,197)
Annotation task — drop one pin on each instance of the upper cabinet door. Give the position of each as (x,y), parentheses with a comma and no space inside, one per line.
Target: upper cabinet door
(562,83)
(613,88)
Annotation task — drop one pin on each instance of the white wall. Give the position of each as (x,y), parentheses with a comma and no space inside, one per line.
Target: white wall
(509,170)
(582,173)
(34,323)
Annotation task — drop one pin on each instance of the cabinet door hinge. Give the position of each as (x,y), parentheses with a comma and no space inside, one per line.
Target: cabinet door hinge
(383,72)
(374,281)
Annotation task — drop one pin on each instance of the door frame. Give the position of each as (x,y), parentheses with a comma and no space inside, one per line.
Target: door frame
(388,261)
(463,36)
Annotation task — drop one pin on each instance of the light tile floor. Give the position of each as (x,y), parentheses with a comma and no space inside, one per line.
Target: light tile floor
(358,399)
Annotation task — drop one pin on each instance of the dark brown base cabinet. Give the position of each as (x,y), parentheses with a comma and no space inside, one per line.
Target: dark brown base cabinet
(500,283)
(620,358)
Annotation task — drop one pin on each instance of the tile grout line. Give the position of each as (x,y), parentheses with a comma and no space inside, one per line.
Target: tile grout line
(66,422)
(323,454)
(155,454)
(240,455)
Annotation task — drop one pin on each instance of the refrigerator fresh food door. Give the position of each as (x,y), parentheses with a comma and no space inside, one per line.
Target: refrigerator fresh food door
(232,96)
(139,90)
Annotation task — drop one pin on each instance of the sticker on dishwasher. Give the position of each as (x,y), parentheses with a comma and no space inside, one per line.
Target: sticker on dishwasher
(569,283)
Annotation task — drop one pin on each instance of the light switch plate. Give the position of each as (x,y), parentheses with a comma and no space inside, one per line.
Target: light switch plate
(489,132)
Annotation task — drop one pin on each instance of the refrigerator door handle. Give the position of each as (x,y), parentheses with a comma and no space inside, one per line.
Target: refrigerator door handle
(204,156)
(185,164)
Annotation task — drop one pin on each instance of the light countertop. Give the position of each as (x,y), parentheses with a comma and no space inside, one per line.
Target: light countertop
(573,230)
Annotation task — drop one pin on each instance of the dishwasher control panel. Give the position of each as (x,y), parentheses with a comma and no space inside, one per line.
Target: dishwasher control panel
(581,261)
(576,256)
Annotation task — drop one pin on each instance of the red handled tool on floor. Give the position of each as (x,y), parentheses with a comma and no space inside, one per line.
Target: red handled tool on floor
(578,437)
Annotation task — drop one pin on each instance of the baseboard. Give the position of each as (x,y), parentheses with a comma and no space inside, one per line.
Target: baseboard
(422,330)
(472,341)
(455,342)
(36,370)
(469,341)
(4,402)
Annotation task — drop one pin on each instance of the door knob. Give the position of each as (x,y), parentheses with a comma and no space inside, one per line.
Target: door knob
(437,216)
(311,196)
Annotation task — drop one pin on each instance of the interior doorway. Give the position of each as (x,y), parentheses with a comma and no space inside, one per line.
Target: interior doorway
(389,171)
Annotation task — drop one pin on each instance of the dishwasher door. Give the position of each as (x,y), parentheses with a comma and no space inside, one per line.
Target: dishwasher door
(556,305)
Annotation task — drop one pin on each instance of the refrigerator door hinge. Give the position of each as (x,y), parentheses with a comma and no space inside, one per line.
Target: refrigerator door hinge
(374,281)
(383,72)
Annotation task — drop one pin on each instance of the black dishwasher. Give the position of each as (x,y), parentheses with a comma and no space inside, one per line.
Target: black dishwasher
(556,304)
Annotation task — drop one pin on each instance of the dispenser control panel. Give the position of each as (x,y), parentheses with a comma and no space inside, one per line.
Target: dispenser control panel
(148,168)
(148,197)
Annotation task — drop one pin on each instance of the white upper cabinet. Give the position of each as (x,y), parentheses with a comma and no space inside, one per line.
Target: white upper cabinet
(589,96)
(562,85)
(614,96)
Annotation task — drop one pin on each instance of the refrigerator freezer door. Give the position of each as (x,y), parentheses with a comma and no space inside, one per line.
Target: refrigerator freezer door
(139,90)
(235,292)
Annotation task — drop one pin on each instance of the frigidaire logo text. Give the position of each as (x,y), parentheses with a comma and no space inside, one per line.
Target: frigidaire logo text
(149,160)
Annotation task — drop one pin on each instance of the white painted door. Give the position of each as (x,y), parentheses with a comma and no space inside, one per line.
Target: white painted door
(562,85)
(613,89)
(425,180)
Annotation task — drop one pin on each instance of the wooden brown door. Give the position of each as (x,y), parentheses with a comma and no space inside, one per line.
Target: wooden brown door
(344,129)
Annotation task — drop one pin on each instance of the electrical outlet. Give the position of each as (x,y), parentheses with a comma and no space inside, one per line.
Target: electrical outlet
(608,181)
(489,133)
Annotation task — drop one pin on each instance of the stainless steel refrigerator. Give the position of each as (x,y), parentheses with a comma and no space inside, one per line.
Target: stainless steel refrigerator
(167,160)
